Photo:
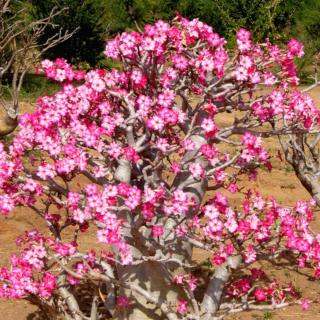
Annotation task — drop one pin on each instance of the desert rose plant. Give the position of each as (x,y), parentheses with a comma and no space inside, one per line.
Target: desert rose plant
(160,142)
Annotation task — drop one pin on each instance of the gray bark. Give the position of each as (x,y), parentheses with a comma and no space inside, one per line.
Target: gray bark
(213,296)
(156,277)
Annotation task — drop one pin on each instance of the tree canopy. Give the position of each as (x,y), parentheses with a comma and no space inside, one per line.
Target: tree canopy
(87,44)
(99,20)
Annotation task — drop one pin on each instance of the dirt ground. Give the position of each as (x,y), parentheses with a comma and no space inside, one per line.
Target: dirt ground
(280,183)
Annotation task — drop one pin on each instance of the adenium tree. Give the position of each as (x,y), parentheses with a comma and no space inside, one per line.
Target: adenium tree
(158,168)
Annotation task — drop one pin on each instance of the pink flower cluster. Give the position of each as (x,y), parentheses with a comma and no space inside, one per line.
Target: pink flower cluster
(295,107)
(23,277)
(60,70)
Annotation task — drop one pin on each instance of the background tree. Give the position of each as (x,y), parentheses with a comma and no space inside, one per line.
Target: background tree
(306,29)
(86,16)
(130,14)
(266,18)
(97,20)
(20,49)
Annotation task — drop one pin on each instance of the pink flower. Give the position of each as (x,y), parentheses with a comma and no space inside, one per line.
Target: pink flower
(126,257)
(305,304)
(211,211)
(73,281)
(241,74)
(66,249)
(178,278)
(131,154)
(115,150)
(256,273)
(180,62)
(189,145)
(82,215)
(48,285)
(6,204)
(218,260)
(123,301)
(166,99)
(175,167)
(196,170)
(243,40)
(250,254)
(239,287)
(162,144)
(157,231)
(208,125)
(233,188)
(295,48)
(182,306)
(156,123)
(260,294)
(46,171)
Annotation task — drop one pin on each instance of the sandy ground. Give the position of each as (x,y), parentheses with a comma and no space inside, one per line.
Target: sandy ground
(280,183)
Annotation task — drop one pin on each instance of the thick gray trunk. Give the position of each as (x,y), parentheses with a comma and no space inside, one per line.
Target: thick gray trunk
(311,181)
(156,277)
(307,174)
(7,124)
(194,188)
(69,299)
(213,296)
